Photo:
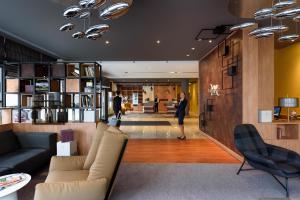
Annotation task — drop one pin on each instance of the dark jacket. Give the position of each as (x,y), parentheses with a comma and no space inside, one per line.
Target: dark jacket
(180,112)
(117,104)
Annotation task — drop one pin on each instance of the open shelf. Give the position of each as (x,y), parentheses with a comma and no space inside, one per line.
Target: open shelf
(47,90)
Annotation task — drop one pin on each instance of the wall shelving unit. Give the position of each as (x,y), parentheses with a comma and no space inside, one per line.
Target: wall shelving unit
(53,92)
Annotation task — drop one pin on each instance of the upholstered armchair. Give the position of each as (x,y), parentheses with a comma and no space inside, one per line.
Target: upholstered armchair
(274,160)
(88,177)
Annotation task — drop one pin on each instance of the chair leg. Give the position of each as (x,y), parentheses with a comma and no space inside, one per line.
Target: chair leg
(285,186)
(240,169)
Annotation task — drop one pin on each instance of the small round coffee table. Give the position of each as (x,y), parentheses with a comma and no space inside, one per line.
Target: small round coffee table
(10,193)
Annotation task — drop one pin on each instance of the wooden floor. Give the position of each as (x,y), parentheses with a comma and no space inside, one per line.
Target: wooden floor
(176,151)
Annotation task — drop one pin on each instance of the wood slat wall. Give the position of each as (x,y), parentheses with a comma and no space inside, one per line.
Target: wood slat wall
(227,108)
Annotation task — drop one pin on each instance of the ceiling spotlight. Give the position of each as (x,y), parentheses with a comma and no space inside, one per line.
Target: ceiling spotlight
(193,48)
(241,26)
(72,11)
(187,55)
(67,27)
(158,41)
(114,11)
(210,41)
(288,38)
(107,42)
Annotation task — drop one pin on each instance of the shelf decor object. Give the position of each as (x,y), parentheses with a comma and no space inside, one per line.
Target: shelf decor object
(53,92)
(289,103)
(280,11)
(85,11)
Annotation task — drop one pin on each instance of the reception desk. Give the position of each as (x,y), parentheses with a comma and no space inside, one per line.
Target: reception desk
(282,133)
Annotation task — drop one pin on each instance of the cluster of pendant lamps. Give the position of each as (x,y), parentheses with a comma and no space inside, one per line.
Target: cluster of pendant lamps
(279,11)
(106,9)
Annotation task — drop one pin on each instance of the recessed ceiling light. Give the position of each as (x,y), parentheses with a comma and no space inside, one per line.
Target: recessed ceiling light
(158,41)
(193,48)
(107,42)
(210,41)
(187,55)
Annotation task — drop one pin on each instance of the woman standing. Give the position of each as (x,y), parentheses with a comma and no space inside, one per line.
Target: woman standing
(180,113)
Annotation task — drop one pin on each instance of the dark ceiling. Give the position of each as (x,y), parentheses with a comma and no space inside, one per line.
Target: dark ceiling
(132,37)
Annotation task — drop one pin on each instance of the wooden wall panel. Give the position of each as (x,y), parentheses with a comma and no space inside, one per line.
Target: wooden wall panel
(83,132)
(227,108)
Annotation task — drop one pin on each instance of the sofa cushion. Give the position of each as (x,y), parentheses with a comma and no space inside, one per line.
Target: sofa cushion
(101,127)
(24,160)
(67,176)
(107,156)
(4,171)
(8,142)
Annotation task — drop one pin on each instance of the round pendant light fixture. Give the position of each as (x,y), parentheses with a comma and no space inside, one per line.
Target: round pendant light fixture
(265,16)
(93,36)
(288,13)
(78,35)
(263,11)
(100,28)
(284,4)
(114,11)
(242,26)
(264,35)
(107,9)
(297,18)
(279,11)
(67,27)
(288,38)
(72,11)
(85,15)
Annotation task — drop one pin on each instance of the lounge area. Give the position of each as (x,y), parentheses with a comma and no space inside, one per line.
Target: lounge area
(149,100)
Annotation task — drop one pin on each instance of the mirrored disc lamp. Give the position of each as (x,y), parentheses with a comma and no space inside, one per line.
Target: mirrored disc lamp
(86,10)
(288,103)
(277,12)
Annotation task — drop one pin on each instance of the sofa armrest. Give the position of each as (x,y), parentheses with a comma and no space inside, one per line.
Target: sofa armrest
(68,163)
(75,190)
(38,140)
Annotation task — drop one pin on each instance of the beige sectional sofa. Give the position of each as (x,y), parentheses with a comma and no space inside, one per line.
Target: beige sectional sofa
(88,177)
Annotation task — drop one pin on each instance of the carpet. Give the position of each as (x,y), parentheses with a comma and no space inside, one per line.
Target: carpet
(145,123)
(197,182)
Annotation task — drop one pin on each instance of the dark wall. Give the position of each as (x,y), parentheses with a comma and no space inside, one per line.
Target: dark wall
(14,51)
(220,114)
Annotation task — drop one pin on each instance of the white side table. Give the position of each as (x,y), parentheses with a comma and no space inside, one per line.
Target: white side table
(10,193)
(66,148)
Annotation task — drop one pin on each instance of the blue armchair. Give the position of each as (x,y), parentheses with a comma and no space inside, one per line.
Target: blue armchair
(274,160)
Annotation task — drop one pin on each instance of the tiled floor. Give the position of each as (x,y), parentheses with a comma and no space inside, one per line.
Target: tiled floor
(160,132)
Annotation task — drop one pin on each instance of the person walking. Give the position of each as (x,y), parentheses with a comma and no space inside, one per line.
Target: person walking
(156,101)
(180,113)
(117,104)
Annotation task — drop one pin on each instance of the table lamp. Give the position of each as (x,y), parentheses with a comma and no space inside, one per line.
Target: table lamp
(289,103)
